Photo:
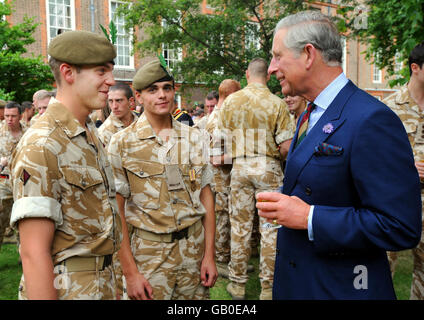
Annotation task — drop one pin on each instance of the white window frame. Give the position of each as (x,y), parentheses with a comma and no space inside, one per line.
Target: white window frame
(72,17)
(172,55)
(377,74)
(130,40)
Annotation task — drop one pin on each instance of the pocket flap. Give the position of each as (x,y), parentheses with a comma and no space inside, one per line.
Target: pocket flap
(143,169)
(82,177)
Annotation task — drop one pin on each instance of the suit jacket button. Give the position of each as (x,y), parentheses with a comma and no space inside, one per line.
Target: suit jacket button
(308,191)
(277,251)
(292,263)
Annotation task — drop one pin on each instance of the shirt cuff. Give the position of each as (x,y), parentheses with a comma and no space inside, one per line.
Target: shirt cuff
(36,207)
(310,230)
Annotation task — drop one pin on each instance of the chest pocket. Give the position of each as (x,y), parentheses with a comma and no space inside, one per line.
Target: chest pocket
(145,179)
(82,177)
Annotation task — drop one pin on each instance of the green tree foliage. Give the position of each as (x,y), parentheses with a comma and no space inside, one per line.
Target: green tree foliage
(213,46)
(389,28)
(20,76)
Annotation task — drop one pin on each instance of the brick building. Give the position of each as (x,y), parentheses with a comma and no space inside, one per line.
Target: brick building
(53,15)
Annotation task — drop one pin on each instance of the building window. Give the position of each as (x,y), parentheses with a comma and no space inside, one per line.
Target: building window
(124,59)
(398,65)
(171,52)
(60,17)
(252,40)
(377,74)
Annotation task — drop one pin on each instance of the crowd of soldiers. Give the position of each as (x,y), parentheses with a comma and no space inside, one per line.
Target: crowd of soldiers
(151,204)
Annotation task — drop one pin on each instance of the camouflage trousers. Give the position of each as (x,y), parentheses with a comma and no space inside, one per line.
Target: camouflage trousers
(172,269)
(417,287)
(6,203)
(248,177)
(82,285)
(221,189)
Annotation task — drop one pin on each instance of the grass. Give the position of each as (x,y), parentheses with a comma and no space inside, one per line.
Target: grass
(11,270)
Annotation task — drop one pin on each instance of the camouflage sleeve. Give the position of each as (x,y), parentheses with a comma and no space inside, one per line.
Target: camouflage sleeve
(35,182)
(115,158)
(207,176)
(285,125)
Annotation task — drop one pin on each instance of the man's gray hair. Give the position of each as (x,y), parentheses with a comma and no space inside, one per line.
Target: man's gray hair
(42,94)
(315,28)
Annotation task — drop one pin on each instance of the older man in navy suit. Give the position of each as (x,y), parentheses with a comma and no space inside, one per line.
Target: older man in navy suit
(351,190)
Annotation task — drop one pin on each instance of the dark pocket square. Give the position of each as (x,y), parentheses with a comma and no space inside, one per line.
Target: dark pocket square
(325,149)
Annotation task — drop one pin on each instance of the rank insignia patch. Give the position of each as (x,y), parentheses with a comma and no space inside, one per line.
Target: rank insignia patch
(25,176)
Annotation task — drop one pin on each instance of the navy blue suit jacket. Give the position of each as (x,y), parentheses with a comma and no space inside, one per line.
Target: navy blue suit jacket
(367,200)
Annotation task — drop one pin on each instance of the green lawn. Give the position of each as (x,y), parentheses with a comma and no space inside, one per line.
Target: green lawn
(10,274)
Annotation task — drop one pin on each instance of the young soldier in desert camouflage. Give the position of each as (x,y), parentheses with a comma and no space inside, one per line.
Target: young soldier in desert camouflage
(120,98)
(65,206)
(10,134)
(162,179)
(258,125)
(408,104)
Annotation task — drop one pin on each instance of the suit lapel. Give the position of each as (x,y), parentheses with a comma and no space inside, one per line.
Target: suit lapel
(299,157)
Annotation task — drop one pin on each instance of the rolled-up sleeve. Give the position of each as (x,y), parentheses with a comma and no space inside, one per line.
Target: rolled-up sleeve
(35,183)
(115,159)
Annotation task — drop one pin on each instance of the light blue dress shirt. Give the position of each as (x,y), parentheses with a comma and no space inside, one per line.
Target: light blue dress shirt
(324,99)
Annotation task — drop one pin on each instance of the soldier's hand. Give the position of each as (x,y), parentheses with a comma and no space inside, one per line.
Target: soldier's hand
(420,167)
(139,288)
(208,273)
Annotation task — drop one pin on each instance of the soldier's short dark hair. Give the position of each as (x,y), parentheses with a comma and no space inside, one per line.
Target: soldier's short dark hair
(26,105)
(13,105)
(124,87)
(55,67)
(212,95)
(416,56)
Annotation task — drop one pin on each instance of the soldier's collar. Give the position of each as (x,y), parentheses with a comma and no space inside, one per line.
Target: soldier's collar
(145,130)
(403,96)
(65,119)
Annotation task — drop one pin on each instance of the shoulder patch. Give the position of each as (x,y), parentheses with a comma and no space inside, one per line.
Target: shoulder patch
(25,176)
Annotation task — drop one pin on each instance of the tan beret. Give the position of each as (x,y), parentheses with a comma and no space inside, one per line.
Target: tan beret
(82,48)
(2,103)
(150,73)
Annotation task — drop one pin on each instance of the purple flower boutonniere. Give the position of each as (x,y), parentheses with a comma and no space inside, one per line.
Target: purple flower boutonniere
(328,128)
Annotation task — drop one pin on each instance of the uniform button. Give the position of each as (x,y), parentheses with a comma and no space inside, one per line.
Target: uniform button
(308,191)
(292,263)
(83,183)
(174,201)
(277,251)
(141,173)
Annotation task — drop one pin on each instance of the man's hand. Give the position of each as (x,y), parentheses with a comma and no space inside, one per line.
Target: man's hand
(208,272)
(138,287)
(290,212)
(420,167)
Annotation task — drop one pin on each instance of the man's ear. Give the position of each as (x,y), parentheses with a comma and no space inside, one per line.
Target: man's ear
(310,55)
(415,68)
(132,101)
(138,97)
(67,72)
